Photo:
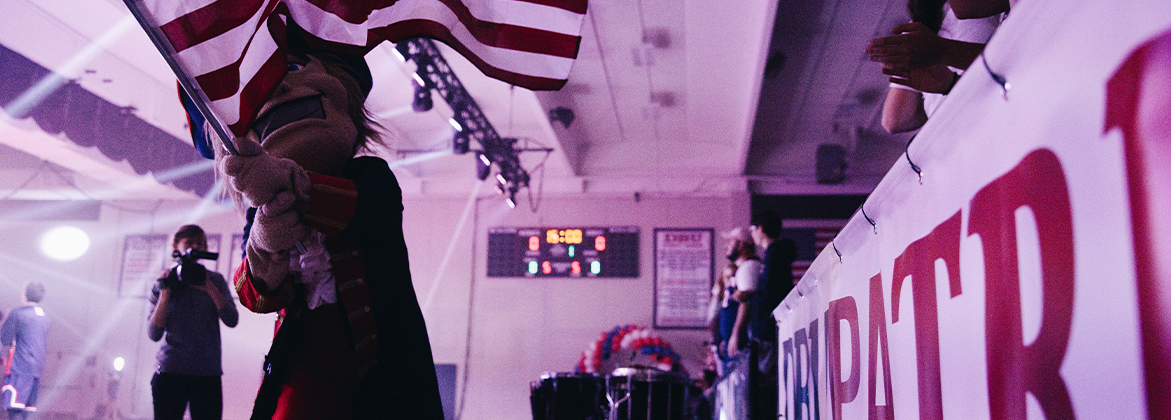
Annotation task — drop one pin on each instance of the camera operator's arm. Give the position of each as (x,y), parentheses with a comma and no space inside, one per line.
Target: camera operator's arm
(159,297)
(7,333)
(217,289)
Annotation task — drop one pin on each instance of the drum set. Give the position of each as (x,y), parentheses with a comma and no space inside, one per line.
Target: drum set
(627,393)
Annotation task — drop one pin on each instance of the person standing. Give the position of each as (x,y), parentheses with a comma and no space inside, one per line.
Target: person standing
(776,281)
(24,336)
(737,316)
(188,314)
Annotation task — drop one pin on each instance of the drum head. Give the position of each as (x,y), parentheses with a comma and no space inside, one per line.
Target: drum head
(572,375)
(647,374)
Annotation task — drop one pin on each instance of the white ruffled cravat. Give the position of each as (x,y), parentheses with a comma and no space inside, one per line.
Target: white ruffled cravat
(316,273)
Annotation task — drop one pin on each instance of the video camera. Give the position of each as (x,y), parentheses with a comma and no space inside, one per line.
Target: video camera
(188,270)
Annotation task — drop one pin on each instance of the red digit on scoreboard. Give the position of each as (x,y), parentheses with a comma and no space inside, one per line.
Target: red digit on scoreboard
(534,243)
(600,243)
(576,265)
(546,267)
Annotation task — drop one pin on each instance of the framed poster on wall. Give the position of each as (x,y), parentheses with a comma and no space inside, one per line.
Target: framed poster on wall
(683,277)
(144,257)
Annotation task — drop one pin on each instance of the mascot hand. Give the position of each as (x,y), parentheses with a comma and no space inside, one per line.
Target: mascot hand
(275,231)
(277,226)
(260,177)
(268,269)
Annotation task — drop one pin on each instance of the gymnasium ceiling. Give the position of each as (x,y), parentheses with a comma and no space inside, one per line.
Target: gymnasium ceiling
(673,97)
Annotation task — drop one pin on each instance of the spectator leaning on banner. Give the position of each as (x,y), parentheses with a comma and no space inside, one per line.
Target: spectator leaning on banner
(915,94)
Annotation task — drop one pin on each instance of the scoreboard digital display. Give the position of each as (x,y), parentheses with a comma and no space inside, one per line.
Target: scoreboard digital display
(563,252)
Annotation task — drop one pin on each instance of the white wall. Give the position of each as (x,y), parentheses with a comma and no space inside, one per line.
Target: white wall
(92,325)
(523,327)
(520,327)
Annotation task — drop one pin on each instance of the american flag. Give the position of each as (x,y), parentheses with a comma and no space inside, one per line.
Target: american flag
(233,50)
(822,237)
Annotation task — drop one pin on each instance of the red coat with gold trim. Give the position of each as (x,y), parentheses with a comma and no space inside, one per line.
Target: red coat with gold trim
(361,217)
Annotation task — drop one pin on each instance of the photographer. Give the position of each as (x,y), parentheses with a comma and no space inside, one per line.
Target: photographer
(187,303)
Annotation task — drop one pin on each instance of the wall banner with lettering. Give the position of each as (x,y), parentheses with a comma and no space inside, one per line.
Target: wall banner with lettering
(1015,263)
(683,277)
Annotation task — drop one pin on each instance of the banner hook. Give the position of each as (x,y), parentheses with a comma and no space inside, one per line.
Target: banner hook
(868,219)
(1000,80)
(914,167)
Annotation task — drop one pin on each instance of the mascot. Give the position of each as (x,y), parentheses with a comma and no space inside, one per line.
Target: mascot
(324,247)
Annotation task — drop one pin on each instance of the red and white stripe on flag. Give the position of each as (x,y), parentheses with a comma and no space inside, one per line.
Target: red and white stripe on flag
(822,237)
(233,49)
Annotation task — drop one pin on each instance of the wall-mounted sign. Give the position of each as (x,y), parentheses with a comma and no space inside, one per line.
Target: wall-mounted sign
(144,257)
(683,277)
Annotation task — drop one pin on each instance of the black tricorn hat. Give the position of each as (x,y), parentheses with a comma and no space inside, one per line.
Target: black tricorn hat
(349,58)
(297,41)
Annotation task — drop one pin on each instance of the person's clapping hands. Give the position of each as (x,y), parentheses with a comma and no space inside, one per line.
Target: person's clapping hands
(914,46)
(937,78)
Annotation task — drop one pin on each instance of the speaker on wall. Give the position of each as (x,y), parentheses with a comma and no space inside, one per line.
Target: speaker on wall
(831,163)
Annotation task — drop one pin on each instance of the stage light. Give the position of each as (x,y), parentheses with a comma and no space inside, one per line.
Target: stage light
(422,101)
(468,120)
(402,50)
(64,243)
(483,167)
(561,114)
(460,143)
(511,201)
(119,363)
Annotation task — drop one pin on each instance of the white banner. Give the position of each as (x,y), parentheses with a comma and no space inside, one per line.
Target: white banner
(1020,276)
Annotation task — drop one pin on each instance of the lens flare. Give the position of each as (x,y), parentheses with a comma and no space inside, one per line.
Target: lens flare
(64,243)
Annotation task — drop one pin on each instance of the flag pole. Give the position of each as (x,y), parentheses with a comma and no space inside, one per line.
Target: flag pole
(197,96)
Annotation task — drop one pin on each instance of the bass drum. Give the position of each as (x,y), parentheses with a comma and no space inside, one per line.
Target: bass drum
(568,396)
(647,394)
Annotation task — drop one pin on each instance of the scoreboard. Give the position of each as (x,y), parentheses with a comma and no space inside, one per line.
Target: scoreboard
(563,252)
